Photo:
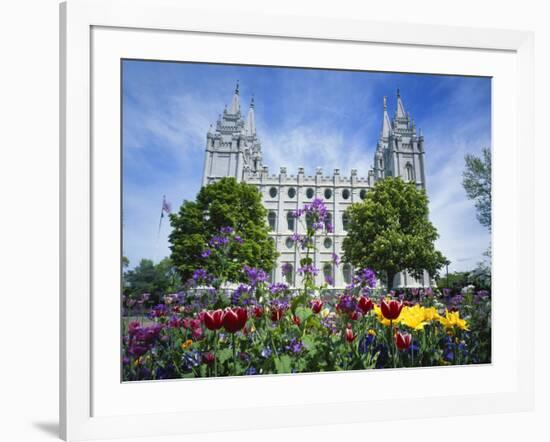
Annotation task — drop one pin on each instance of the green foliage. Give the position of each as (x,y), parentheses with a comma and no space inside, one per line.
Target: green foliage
(476,180)
(148,277)
(221,204)
(389,231)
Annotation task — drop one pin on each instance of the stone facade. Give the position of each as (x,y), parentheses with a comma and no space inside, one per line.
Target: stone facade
(234,149)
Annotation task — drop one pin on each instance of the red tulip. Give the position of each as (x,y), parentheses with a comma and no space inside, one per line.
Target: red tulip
(213,319)
(316,305)
(391,309)
(195,323)
(350,337)
(296,320)
(208,358)
(365,304)
(403,340)
(355,315)
(277,314)
(258,312)
(234,319)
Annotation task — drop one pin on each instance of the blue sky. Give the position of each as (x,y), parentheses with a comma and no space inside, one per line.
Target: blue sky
(304,117)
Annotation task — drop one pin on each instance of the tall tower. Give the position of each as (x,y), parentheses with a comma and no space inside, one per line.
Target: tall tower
(400,149)
(232,146)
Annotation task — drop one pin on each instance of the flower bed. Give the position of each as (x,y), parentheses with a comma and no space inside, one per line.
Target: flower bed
(263,328)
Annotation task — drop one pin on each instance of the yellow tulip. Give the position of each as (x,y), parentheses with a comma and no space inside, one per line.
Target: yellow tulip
(413,317)
(452,319)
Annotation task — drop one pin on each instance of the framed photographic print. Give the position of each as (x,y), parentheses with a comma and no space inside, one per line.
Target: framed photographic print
(257,207)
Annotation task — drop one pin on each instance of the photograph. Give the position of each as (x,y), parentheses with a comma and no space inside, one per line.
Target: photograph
(286,220)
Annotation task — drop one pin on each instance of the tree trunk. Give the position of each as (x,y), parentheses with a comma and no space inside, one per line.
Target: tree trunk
(390,275)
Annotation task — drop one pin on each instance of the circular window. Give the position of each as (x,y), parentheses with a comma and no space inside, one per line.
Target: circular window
(289,243)
(273,192)
(328,194)
(327,243)
(363,194)
(345,194)
(291,192)
(310,193)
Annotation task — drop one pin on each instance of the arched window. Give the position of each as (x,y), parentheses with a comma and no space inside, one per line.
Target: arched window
(327,273)
(345,194)
(345,221)
(329,218)
(346,272)
(288,273)
(409,172)
(272,221)
(327,243)
(363,194)
(309,221)
(310,193)
(328,194)
(290,220)
(291,192)
(273,192)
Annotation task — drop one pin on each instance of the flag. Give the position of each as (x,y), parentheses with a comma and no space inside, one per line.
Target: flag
(166,208)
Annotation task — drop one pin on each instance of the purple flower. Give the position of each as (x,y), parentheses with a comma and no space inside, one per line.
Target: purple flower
(329,280)
(294,346)
(308,269)
(329,227)
(238,239)
(158,311)
(266,352)
(227,230)
(277,288)
(218,241)
(254,275)
(365,278)
(200,275)
(206,253)
(242,291)
(335,259)
(347,303)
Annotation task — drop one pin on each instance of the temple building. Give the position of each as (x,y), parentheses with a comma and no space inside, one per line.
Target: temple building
(233,149)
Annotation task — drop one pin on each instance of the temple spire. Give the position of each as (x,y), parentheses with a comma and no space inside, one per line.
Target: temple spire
(235,103)
(251,120)
(386,125)
(400,111)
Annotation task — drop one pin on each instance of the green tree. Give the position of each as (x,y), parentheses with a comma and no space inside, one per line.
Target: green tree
(476,180)
(389,231)
(225,203)
(155,279)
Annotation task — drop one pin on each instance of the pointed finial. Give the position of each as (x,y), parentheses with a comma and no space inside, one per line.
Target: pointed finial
(385,103)
(252,101)
(237,88)
(398,94)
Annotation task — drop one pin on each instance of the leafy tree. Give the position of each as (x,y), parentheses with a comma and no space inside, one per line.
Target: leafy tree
(225,203)
(155,279)
(389,231)
(476,180)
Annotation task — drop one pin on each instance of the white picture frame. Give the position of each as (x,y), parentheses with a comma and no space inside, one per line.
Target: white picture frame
(83,414)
